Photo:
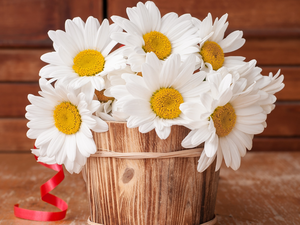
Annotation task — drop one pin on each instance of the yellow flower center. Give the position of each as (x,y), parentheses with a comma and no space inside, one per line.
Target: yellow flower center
(101,97)
(165,103)
(212,53)
(224,118)
(158,43)
(88,63)
(67,118)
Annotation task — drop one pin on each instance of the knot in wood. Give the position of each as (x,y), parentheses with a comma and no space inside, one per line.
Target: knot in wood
(128,175)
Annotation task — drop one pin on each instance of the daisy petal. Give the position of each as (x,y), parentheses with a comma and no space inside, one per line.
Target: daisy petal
(163,133)
(70,147)
(101,126)
(187,141)
(85,145)
(211,145)
(200,136)
(55,144)
(90,33)
(226,151)
(250,128)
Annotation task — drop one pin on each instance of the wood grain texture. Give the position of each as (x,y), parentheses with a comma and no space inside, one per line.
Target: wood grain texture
(265,190)
(257,18)
(21,65)
(278,144)
(26,23)
(13,135)
(283,120)
(271,51)
(152,191)
(15,100)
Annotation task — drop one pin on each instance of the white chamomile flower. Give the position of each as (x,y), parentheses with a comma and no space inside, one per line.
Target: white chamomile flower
(213,45)
(82,53)
(273,86)
(267,86)
(115,77)
(108,112)
(104,111)
(61,121)
(107,108)
(147,31)
(226,118)
(152,100)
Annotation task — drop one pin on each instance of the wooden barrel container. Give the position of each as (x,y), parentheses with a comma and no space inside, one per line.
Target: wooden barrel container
(148,191)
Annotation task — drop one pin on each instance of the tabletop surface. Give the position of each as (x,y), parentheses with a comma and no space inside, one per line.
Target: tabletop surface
(265,190)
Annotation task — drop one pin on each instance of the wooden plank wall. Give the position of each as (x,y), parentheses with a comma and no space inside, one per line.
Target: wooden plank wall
(271,29)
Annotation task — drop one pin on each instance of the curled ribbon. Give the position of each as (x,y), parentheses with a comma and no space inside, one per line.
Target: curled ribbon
(46,197)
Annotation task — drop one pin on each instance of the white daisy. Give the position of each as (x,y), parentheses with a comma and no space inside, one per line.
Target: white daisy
(115,77)
(82,53)
(104,111)
(147,31)
(213,45)
(226,118)
(61,121)
(267,86)
(107,110)
(152,101)
(105,107)
(269,89)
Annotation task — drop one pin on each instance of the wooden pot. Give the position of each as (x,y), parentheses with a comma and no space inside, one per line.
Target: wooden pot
(148,191)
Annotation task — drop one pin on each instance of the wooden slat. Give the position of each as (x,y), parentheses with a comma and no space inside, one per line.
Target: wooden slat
(83,9)
(271,51)
(21,64)
(13,135)
(256,17)
(26,23)
(14,98)
(283,120)
(276,144)
(267,32)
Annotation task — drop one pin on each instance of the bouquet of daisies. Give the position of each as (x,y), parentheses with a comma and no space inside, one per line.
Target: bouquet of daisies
(151,72)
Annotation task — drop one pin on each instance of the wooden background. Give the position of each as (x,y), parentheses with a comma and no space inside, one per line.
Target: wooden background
(271,29)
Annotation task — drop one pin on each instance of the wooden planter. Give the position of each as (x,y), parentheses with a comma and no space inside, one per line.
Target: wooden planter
(148,191)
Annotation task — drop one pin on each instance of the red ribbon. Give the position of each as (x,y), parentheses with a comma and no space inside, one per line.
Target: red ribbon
(46,197)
